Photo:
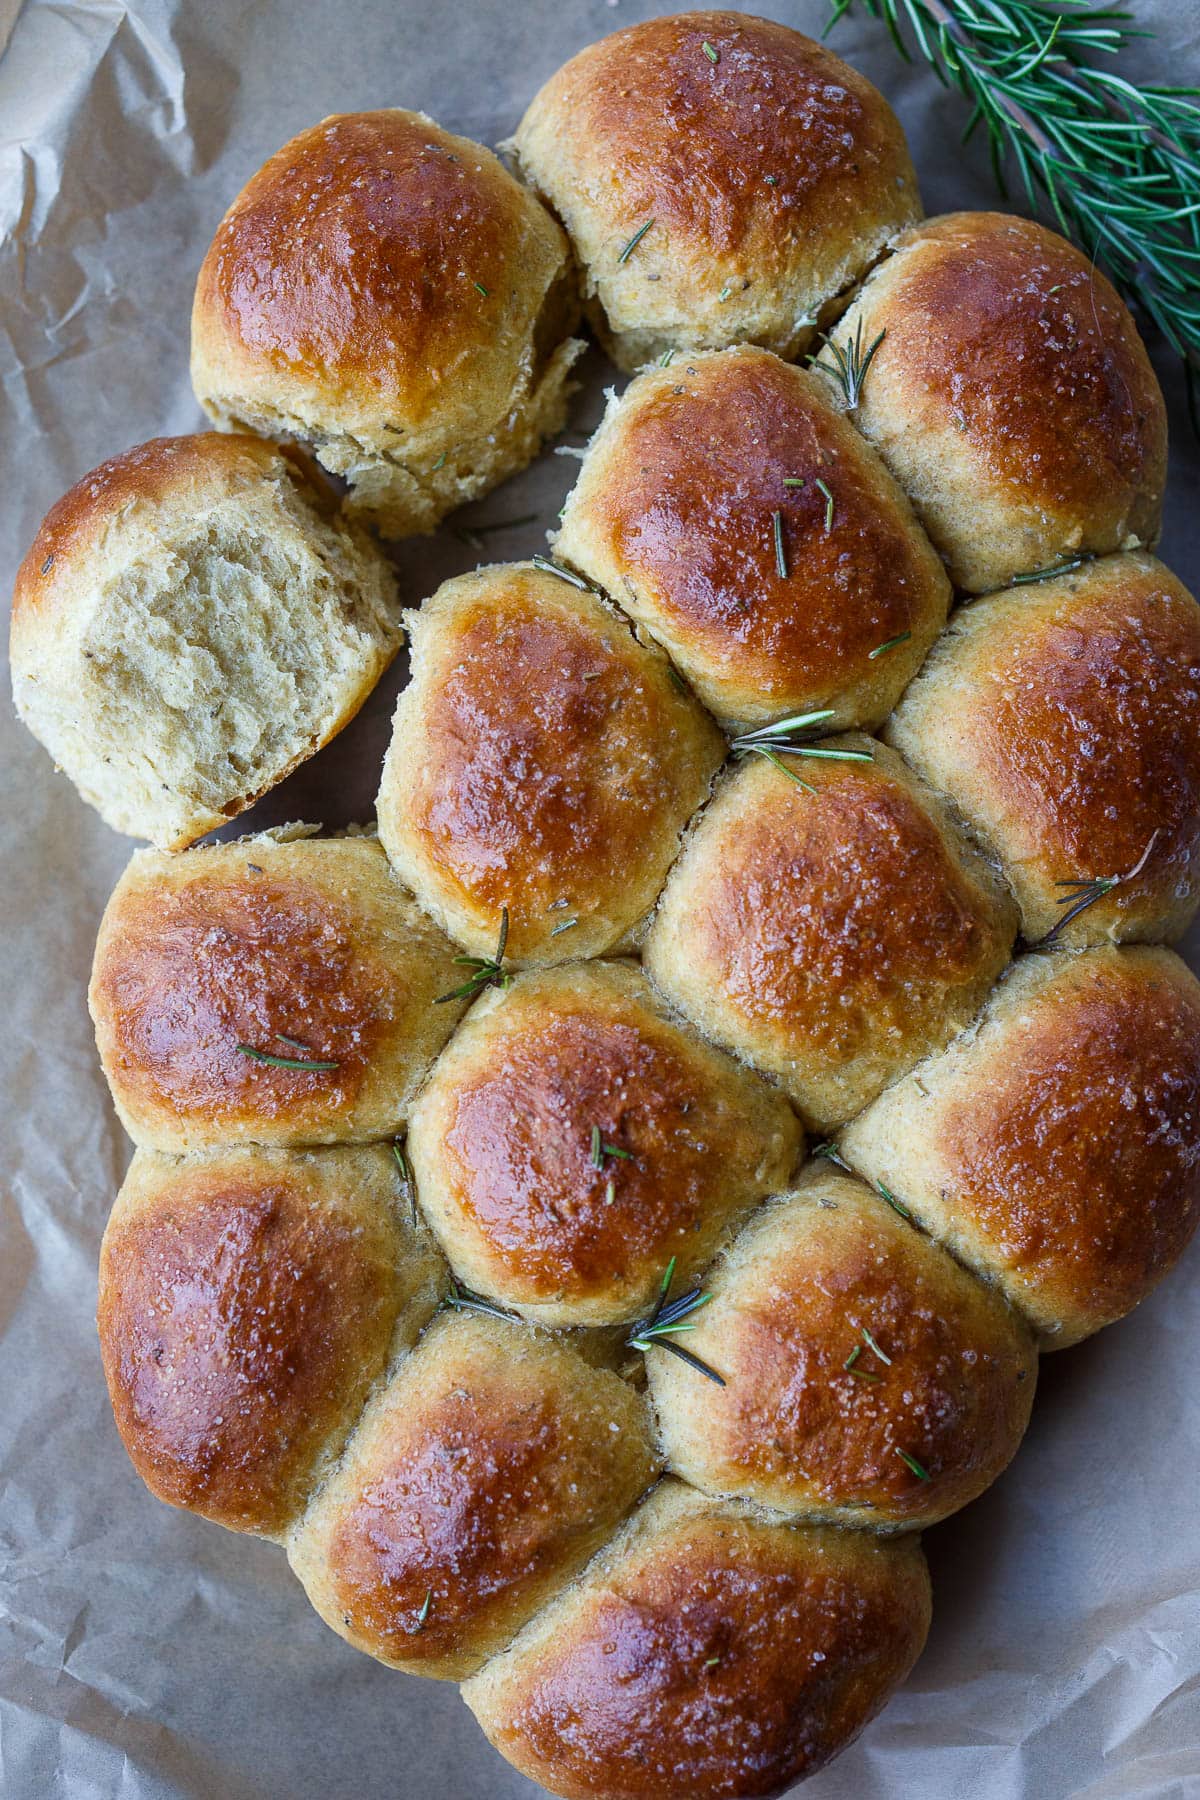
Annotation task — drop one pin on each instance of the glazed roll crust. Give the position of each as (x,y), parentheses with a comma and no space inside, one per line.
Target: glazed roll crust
(530,1206)
(1055,1147)
(543,762)
(868,1379)
(480,1480)
(710,1652)
(189,625)
(269,991)
(1011,397)
(830,938)
(248,1300)
(1063,720)
(388,293)
(673,514)
(770,174)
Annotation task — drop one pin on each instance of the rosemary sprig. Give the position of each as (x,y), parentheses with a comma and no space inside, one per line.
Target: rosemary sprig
(461,1299)
(891,644)
(850,363)
(549,567)
(489,971)
(1082,894)
(831,1153)
(634,241)
(1118,167)
(1059,568)
(669,1317)
(254,1054)
(781,562)
(790,737)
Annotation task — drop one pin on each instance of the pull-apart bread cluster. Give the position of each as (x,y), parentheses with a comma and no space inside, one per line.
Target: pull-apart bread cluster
(475,1247)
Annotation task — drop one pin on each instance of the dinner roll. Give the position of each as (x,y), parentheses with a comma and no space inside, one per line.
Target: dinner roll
(1011,397)
(543,764)
(248,1300)
(721,178)
(868,1379)
(834,937)
(1055,1147)
(1063,719)
(188,627)
(746,525)
(386,293)
(709,1652)
(573,1138)
(278,990)
(481,1479)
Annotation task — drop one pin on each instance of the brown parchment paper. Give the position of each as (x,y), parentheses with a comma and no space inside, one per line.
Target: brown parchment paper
(143,1653)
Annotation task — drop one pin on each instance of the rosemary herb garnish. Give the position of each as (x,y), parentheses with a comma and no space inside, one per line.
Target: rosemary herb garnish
(781,562)
(1082,894)
(634,241)
(567,925)
(859,1374)
(549,567)
(47,565)
(885,1193)
(676,679)
(911,1462)
(670,1317)
(283,1062)
(600,1149)
(796,481)
(831,1153)
(438,464)
(828,505)
(891,644)
(712,1662)
(406,1178)
(461,1299)
(489,971)
(293,1043)
(480,289)
(724,293)
(713,54)
(869,1341)
(850,363)
(664,361)
(1059,568)
(786,737)
(425,1606)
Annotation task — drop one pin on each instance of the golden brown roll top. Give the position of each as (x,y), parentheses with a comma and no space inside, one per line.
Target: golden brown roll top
(543,763)
(573,1139)
(710,1653)
(739,519)
(248,1300)
(189,624)
(868,1379)
(273,990)
(832,936)
(1011,397)
(481,1479)
(1055,1147)
(1063,719)
(721,177)
(387,292)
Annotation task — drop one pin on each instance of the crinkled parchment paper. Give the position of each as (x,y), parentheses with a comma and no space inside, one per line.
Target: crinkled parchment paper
(142,1652)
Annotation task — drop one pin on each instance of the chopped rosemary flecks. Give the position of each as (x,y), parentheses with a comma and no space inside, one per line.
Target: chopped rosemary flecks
(489,971)
(910,1462)
(480,289)
(47,565)
(771,180)
(850,363)
(425,1605)
(712,1662)
(670,1317)
(713,54)
(891,644)
(831,1153)
(859,1374)
(438,464)
(634,241)
(283,1062)
(828,504)
(1083,894)
(461,1299)
(567,925)
(664,361)
(885,1193)
(725,293)
(781,562)
(549,567)
(610,1191)
(293,1043)
(796,481)
(1066,567)
(869,1341)
(600,1149)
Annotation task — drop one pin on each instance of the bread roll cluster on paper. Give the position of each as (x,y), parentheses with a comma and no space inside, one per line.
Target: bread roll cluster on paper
(192,622)
(385,293)
(543,765)
(575,1139)
(722,179)
(743,522)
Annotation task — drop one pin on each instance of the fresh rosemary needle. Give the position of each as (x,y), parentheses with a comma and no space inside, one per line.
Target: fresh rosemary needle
(885,1193)
(891,644)
(634,241)
(670,1317)
(1082,894)
(850,363)
(461,1299)
(1065,567)
(712,53)
(600,1149)
(828,505)
(549,567)
(253,1054)
(869,1341)
(781,562)
(489,971)
(831,1153)
(911,1462)
(425,1606)
(406,1178)
(480,289)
